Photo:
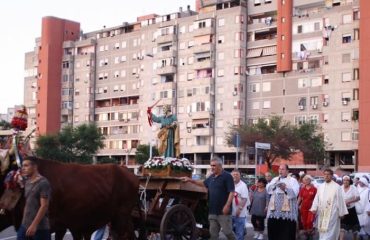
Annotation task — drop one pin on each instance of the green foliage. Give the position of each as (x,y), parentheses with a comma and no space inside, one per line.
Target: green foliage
(104,160)
(285,139)
(142,153)
(4,125)
(71,144)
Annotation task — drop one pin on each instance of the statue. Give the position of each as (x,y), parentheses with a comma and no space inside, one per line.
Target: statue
(168,135)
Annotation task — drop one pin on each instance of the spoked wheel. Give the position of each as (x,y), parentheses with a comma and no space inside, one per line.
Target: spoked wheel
(178,223)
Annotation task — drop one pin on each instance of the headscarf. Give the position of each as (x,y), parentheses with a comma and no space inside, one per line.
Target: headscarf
(364,181)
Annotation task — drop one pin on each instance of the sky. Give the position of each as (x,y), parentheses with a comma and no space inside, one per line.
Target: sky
(20,24)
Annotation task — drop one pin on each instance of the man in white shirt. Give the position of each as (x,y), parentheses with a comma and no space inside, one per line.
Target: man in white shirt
(240,203)
(330,206)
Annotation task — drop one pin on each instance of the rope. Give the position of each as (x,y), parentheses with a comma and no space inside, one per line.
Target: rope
(142,192)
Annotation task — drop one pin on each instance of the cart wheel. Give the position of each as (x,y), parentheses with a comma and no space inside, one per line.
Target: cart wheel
(178,223)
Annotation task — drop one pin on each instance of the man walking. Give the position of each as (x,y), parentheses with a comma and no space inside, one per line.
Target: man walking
(35,223)
(240,203)
(220,187)
(283,208)
(329,204)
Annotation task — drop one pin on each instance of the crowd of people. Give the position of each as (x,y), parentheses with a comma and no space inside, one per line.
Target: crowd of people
(289,204)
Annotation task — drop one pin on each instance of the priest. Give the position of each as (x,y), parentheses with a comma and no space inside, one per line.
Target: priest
(330,206)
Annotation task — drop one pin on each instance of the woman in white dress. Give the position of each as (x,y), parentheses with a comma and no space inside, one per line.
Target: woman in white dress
(350,221)
(363,206)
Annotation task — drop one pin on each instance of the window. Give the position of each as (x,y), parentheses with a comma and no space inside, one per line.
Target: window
(282,37)
(299,120)
(238,53)
(346,116)
(314,119)
(347,18)
(239,19)
(221,39)
(266,86)
(356,34)
(317,26)
(356,14)
(266,104)
(355,134)
(314,101)
(316,82)
(283,19)
(346,77)
(355,114)
(239,36)
(356,73)
(356,94)
(221,56)
(221,22)
(346,38)
(255,105)
(299,29)
(346,57)
(257,2)
(346,136)
(220,106)
(254,87)
(238,70)
(302,83)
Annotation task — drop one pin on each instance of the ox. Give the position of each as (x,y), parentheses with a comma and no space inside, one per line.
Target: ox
(86,197)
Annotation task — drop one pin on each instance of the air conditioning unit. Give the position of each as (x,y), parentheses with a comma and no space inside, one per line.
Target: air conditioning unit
(301,107)
(345,102)
(314,106)
(325,104)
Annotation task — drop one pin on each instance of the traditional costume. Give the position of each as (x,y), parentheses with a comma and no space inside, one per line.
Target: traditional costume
(283,209)
(330,206)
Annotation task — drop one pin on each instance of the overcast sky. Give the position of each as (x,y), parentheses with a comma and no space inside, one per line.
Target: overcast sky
(20,24)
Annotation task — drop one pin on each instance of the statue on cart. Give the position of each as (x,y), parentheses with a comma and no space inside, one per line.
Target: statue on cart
(169,134)
(168,163)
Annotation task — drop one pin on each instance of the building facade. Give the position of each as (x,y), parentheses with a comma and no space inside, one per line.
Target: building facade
(229,63)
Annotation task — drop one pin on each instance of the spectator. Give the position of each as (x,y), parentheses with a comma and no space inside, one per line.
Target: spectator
(350,221)
(240,203)
(258,208)
(268,177)
(283,209)
(305,198)
(35,222)
(220,187)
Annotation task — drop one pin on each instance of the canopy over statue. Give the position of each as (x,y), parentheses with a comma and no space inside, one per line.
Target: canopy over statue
(169,134)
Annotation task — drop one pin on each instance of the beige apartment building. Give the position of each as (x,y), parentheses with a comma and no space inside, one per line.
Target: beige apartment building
(229,63)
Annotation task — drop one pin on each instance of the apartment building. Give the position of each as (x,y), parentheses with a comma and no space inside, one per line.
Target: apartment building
(228,63)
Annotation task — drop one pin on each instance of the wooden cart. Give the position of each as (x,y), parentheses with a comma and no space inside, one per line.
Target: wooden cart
(170,207)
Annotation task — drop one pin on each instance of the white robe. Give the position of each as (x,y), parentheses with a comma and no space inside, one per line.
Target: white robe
(364,205)
(330,193)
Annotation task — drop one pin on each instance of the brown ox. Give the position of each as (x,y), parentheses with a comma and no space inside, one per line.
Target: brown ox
(86,197)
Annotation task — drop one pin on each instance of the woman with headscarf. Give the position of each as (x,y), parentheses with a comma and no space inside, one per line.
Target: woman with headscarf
(350,221)
(362,206)
(305,198)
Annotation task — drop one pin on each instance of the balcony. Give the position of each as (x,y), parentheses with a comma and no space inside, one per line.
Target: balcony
(261,43)
(169,69)
(200,115)
(201,148)
(260,25)
(68,58)
(66,111)
(261,60)
(116,108)
(202,131)
(203,64)
(85,55)
(166,38)
(300,36)
(204,31)
(68,44)
(85,42)
(166,54)
(203,48)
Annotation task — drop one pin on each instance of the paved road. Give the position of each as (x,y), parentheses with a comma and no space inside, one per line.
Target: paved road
(9,234)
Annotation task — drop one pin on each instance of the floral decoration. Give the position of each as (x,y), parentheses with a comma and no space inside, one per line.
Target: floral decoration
(158,163)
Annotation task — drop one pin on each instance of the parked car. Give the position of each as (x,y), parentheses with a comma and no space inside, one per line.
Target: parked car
(317,181)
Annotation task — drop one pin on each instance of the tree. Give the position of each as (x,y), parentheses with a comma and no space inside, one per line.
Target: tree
(142,153)
(71,144)
(285,139)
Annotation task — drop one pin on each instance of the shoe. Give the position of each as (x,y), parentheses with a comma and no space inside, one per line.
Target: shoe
(256,234)
(260,236)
